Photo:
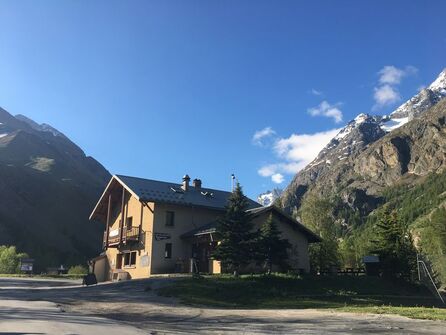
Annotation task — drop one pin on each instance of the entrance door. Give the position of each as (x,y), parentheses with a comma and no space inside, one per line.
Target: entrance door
(119,261)
(202,253)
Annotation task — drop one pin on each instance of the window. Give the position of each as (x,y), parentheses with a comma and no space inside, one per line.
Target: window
(170,218)
(168,250)
(129,222)
(129,259)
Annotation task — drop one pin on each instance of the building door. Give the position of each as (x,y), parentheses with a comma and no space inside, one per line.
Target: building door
(119,261)
(202,252)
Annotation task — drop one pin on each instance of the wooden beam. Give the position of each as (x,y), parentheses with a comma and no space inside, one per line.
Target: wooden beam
(121,224)
(107,229)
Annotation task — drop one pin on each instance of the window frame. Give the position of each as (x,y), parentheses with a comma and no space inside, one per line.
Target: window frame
(127,258)
(170,223)
(168,250)
(129,220)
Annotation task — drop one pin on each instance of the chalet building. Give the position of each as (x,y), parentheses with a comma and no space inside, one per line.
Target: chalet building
(155,227)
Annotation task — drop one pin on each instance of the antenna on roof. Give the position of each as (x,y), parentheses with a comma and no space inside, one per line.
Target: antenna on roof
(232,182)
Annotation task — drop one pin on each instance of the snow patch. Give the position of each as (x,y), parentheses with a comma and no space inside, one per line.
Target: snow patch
(439,84)
(393,124)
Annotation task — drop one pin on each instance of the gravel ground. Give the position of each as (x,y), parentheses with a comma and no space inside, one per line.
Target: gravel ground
(131,304)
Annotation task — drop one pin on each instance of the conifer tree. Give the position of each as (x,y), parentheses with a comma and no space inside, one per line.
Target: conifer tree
(317,215)
(272,250)
(236,233)
(394,245)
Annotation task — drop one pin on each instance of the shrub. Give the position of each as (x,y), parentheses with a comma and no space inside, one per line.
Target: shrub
(10,259)
(78,270)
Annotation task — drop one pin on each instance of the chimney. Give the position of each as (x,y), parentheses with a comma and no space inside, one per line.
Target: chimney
(197,183)
(186,180)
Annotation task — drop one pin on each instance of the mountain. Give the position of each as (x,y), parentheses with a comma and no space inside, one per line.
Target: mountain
(374,152)
(427,98)
(397,162)
(267,198)
(47,189)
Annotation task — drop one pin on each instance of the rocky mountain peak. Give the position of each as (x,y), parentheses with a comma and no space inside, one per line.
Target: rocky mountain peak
(439,84)
(39,127)
(343,152)
(268,198)
(424,100)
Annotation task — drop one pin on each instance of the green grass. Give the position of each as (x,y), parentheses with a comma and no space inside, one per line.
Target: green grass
(343,293)
(21,275)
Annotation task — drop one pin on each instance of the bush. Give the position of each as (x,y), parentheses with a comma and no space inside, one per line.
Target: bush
(10,259)
(78,270)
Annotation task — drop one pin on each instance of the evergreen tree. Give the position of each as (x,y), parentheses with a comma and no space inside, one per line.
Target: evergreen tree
(236,233)
(317,215)
(394,246)
(272,250)
(433,242)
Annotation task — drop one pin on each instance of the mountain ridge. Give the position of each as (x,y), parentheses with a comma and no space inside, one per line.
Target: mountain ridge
(333,164)
(48,186)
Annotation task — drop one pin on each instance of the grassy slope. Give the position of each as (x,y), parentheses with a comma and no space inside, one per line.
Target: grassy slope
(351,294)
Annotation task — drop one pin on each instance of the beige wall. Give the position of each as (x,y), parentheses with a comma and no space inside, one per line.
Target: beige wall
(150,257)
(142,214)
(298,257)
(186,219)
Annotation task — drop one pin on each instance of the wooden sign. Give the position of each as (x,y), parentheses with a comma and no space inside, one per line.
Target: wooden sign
(162,236)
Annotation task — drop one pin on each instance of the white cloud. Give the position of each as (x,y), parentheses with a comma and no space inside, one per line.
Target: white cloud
(316,92)
(277,178)
(392,75)
(305,147)
(325,109)
(385,95)
(296,152)
(259,135)
(386,92)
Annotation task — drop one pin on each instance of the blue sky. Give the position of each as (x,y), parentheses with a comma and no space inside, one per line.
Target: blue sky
(157,89)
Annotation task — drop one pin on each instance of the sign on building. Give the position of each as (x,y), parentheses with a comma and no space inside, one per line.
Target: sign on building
(26,264)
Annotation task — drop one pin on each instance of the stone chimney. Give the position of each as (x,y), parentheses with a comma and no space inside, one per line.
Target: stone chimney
(197,183)
(186,180)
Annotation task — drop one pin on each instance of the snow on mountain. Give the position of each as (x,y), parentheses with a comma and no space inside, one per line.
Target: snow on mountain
(422,101)
(268,198)
(40,127)
(392,124)
(439,84)
(340,153)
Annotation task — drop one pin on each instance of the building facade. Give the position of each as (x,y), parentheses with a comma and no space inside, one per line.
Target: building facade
(154,227)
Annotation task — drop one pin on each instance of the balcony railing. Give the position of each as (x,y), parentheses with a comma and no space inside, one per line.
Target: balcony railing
(129,234)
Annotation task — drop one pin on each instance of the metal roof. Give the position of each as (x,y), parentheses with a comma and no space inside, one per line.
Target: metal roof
(312,237)
(161,191)
(210,228)
(147,190)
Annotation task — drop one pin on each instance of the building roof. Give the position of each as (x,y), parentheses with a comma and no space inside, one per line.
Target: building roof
(312,237)
(147,190)
(208,228)
(211,227)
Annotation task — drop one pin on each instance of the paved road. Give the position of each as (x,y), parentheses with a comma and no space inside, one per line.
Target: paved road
(28,307)
(43,317)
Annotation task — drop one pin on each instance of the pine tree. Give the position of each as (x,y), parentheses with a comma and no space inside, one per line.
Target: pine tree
(236,233)
(317,215)
(394,246)
(272,250)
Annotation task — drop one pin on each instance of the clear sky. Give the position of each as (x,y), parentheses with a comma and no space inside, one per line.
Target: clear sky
(158,89)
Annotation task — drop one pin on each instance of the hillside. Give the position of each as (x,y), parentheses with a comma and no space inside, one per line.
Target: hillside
(373,152)
(47,188)
(397,161)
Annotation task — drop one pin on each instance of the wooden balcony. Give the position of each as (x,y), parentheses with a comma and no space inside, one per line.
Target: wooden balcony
(129,235)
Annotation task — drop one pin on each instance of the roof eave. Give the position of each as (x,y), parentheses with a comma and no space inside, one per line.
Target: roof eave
(114,177)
